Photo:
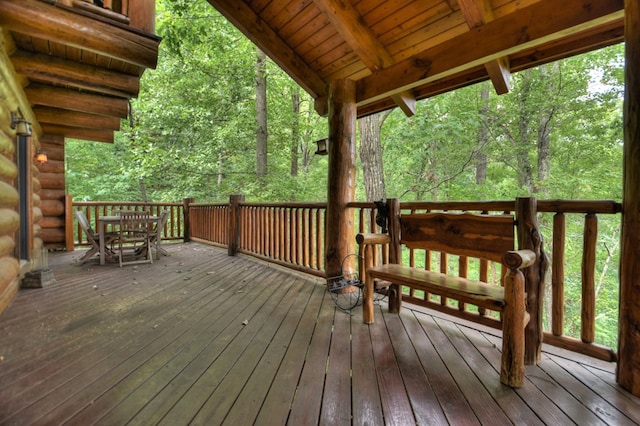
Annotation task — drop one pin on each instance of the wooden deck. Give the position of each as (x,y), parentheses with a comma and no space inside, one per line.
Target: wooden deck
(202,338)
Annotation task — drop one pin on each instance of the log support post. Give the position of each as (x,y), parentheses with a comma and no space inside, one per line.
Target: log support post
(234,223)
(628,367)
(530,238)
(187,219)
(68,223)
(339,230)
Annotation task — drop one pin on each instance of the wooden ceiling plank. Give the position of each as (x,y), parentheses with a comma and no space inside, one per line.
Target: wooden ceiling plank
(59,71)
(357,35)
(65,117)
(250,24)
(478,13)
(527,28)
(48,22)
(43,95)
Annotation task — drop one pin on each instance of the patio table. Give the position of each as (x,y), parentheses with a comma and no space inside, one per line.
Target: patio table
(104,221)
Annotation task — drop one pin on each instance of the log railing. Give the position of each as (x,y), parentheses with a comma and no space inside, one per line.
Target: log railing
(173,230)
(293,235)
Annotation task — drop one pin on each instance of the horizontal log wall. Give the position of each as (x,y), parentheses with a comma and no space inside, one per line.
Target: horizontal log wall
(51,180)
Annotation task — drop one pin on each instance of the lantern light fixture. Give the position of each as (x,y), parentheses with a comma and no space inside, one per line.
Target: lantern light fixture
(41,156)
(323,146)
(20,124)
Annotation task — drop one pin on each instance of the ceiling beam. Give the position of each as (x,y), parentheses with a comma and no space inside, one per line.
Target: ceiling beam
(478,13)
(49,69)
(79,133)
(65,117)
(536,25)
(45,21)
(58,97)
(256,30)
(364,43)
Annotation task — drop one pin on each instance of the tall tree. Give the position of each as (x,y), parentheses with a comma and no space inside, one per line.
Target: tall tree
(483,135)
(371,155)
(261,114)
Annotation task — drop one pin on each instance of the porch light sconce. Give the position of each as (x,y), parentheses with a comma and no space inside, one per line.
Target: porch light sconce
(20,124)
(41,157)
(323,145)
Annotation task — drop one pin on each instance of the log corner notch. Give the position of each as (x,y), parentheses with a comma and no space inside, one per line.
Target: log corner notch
(339,230)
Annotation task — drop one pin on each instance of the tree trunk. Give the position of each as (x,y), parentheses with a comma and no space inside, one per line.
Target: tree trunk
(295,130)
(525,170)
(544,129)
(483,136)
(261,114)
(371,155)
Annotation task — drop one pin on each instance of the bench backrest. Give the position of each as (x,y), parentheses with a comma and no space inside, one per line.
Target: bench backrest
(480,236)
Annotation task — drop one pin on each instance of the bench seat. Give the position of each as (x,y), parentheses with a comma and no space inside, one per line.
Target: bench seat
(465,290)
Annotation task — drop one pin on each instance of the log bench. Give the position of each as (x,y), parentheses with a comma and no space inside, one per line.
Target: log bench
(481,236)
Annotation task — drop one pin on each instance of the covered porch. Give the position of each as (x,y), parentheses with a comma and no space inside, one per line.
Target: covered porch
(206,338)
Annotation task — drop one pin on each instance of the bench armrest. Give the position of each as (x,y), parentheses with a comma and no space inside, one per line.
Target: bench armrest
(364,239)
(518,259)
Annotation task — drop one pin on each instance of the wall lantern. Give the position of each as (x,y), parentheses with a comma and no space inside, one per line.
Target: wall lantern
(323,145)
(22,126)
(41,157)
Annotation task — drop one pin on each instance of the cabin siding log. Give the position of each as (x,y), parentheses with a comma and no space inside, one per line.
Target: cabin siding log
(628,368)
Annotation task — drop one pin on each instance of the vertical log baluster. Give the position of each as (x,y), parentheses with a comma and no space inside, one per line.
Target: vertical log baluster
(588,327)
(557,278)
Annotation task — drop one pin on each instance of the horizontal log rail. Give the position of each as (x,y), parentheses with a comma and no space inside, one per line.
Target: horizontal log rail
(172,231)
(293,235)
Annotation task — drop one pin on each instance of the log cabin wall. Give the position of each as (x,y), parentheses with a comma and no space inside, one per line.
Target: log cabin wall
(52,192)
(13,100)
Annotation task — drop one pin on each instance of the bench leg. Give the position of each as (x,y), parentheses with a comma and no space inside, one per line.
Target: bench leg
(395,298)
(367,303)
(513,322)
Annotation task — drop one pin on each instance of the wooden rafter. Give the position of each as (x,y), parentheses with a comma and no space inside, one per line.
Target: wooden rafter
(478,13)
(43,95)
(359,37)
(54,70)
(527,28)
(65,117)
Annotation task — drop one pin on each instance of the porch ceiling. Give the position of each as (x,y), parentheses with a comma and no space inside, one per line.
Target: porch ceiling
(401,51)
(79,64)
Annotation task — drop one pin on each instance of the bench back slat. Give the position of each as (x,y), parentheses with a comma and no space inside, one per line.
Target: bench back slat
(465,234)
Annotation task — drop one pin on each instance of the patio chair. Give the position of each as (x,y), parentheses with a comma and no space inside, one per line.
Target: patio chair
(133,238)
(155,236)
(94,239)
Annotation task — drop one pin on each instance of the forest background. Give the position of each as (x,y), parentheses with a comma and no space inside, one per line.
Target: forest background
(216,117)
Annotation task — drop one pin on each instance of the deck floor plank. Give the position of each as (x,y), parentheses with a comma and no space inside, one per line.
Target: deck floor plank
(249,401)
(166,344)
(279,398)
(129,395)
